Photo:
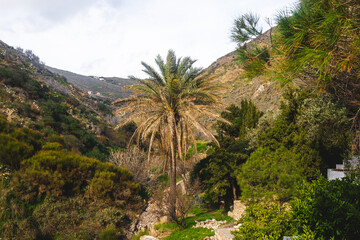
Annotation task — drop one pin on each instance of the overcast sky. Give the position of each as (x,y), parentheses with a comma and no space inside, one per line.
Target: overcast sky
(112,37)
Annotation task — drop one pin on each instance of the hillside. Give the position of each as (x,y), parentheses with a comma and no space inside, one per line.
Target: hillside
(32,96)
(228,73)
(110,88)
(55,181)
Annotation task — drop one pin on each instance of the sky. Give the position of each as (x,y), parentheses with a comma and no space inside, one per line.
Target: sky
(111,37)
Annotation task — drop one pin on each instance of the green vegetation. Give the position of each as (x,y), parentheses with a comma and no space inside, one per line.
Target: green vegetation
(218,171)
(17,144)
(201,147)
(55,182)
(264,221)
(54,113)
(321,209)
(254,59)
(245,28)
(52,193)
(329,208)
(317,43)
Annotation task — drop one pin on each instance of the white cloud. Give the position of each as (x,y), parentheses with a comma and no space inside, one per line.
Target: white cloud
(112,37)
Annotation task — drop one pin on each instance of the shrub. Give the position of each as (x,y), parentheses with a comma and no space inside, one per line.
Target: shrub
(330,209)
(66,174)
(264,221)
(79,216)
(17,144)
(52,146)
(12,151)
(267,173)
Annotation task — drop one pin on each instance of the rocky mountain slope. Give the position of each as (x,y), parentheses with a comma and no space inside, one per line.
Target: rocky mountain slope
(110,88)
(32,96)
(266,94)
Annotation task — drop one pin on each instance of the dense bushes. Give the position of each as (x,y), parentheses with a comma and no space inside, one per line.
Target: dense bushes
(264,221)
(308,135)
(78,216)
(21,79)
(17,144)
(218,171)
(271,174)
(328,208)
(66,195)
(61,173)
(47,192)
(320,209)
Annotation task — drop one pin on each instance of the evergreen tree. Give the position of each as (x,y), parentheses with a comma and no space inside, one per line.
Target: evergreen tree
(218,171)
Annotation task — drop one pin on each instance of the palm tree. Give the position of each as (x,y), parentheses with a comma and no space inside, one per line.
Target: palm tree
(166,105)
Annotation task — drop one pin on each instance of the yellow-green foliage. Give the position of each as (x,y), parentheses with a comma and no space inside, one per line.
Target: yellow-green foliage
(65,174)
(52,146)
(17,144)
(77,216)
(63,195)
(12,151)
(264,221)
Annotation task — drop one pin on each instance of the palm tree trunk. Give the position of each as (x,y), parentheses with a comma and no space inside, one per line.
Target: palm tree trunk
(172,173)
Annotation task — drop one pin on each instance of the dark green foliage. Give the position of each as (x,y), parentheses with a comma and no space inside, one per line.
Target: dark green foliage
(328,208)
(68,196)
(78,216)
(20,78)
(47,192)
(218,173)
(54,109)
(13,77)
(271,173)
(56,116)
(264,221)
(326,125)
(291,149)
(219,170)
(309,124)
(242,118)
(252,56)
